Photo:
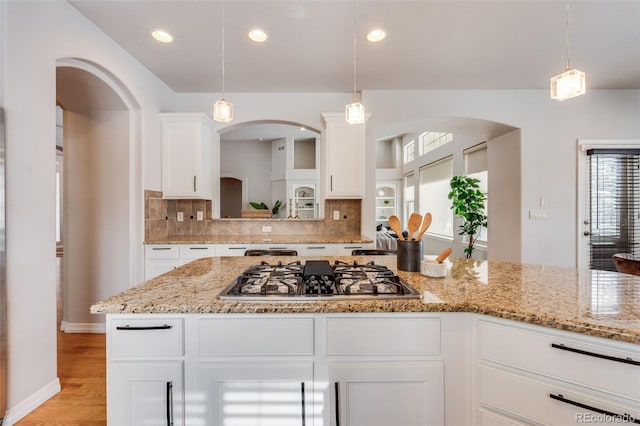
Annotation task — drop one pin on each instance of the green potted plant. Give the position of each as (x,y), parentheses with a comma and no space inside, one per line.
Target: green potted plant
(467,202)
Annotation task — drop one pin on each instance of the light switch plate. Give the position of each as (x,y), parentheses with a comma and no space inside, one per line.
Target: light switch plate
(336,215)
(200,215)
(180,216)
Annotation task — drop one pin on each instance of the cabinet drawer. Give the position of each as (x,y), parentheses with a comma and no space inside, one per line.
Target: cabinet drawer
(383,336)
(256,336)
(153,337)
(532,399)
(161,252)
(197,251)
(533,351)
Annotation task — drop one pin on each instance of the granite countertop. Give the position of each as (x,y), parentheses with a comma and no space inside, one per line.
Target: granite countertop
(598,303)
(264,239)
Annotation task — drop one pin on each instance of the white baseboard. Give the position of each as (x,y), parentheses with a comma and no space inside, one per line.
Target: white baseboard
(16,413)
(83,327)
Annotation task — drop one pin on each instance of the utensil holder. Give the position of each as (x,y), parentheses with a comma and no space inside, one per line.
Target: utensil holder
(409,255)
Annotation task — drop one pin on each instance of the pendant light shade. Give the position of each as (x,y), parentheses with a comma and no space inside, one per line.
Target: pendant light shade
(567,85)
(571,82)
(354,113)
(223,111)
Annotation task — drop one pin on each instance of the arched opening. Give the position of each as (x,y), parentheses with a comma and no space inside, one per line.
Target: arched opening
(230,197)
(100,187)
(272,159)
(406,167)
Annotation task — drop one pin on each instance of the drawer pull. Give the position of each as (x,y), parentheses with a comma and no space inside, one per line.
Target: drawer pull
(150,327)
(337,393)
(597,355)
(316,248)
(160,248)
(304,421)
(237,248)
(198,248)
(169,403)
(625,417)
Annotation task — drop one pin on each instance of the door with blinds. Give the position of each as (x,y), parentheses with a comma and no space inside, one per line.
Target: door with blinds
(611,216)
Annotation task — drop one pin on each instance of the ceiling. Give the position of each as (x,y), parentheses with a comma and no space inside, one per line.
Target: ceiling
(473,44)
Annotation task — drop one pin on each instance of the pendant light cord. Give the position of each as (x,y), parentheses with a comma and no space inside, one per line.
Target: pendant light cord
(354,51)
(567,34)
(223,50)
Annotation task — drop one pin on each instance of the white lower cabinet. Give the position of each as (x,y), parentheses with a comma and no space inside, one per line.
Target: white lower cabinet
(144,393)
(256,393)
(528,374)
(387,393)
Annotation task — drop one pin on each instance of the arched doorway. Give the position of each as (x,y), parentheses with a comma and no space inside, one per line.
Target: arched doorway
(230,197)
(101,187)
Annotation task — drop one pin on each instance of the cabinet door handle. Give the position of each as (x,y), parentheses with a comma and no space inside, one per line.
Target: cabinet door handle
(330,182)
(625,417)
(594,354)
(337,395)
(150,327)
(304,421)
(194,183)
(169,403)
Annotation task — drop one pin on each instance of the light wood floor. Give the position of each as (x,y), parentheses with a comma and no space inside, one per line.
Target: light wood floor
(82,373)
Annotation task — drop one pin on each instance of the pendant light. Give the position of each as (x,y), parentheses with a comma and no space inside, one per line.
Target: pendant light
(354,112)
(570,83)
(223,110)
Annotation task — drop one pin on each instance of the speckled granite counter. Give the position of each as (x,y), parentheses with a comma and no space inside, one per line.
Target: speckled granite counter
(264,239)
(597,303)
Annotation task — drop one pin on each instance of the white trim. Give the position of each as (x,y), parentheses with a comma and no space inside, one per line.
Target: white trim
(31,403)
(83,327)
(583,146)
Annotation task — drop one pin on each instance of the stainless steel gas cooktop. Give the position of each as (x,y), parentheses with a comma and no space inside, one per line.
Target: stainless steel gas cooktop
(318,280)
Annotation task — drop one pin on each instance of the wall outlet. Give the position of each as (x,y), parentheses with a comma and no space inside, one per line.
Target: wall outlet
(537,215)
(180,216)
(200,215)
(266,229)
(336,215)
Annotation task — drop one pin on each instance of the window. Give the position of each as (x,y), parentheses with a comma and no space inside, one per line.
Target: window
(614,208)
(410,152)
(432,140)
(434,192)
(408,196)
(475,166)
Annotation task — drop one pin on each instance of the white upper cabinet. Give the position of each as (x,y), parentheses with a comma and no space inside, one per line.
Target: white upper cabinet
(343,165)
(186,156)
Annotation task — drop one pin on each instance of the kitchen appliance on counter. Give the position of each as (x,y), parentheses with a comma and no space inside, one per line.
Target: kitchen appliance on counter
(318,280)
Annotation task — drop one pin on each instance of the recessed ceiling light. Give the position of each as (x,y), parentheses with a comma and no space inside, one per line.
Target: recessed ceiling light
(257,35)
(376,35)
(162,36)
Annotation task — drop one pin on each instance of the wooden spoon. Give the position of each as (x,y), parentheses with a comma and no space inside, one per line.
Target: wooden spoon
(394,223)
(426,223)
(414,223)
(442,256)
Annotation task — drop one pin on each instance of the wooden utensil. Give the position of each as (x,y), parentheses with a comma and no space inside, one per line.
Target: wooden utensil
(442,256)
(426,223)
(394,223)
(414,223)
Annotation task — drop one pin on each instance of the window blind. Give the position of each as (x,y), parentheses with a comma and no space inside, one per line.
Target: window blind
(614,204)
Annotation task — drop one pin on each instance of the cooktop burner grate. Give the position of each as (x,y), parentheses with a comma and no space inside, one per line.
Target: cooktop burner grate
(318,280)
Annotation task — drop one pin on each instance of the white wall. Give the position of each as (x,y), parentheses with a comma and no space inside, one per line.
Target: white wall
(249,161)
(38,34)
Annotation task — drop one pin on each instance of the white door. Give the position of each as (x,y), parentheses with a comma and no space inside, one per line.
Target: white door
(385,394)
(608,201)
(257,394)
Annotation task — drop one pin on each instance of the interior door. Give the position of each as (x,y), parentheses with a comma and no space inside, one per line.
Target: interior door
(609,191)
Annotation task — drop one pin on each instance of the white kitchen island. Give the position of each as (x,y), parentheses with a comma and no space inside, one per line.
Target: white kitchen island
(489,345)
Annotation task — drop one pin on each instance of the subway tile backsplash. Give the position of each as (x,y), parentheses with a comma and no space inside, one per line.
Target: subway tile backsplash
(161,220)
